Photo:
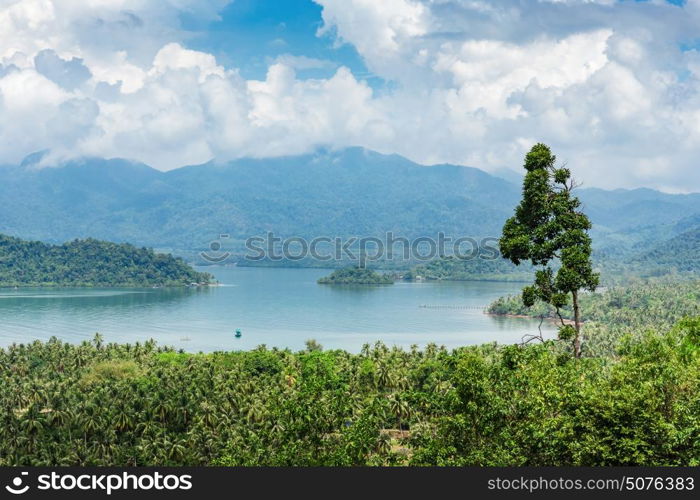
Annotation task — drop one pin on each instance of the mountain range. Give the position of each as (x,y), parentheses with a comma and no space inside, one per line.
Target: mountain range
(349,192)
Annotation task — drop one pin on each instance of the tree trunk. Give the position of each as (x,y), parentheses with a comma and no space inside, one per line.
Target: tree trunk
(577,326)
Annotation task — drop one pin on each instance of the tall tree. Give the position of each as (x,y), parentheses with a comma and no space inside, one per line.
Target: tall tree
(550,230)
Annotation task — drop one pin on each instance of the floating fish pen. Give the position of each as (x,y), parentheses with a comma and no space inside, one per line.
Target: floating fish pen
(470,308)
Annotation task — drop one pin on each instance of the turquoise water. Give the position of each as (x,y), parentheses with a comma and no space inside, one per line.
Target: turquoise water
(276,307)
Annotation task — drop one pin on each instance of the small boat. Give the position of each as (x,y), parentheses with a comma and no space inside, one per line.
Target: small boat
(238,333)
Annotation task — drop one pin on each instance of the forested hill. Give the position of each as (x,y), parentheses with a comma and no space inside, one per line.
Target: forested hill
(353,192)
(681,252)
(345,193)
(90,263)
(356,276)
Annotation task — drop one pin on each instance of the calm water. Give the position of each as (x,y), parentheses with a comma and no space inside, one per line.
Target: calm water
(277,307)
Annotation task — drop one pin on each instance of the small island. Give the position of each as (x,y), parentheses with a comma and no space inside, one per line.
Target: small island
(91,263)
(356,276)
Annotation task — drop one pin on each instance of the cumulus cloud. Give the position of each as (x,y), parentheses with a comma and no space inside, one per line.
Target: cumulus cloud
(69,74)
(605,83)
(613,87)
(71,82)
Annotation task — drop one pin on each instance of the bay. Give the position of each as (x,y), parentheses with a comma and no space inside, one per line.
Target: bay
(272,306)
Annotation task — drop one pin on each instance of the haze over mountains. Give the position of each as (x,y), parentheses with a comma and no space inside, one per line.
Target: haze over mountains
(351,192)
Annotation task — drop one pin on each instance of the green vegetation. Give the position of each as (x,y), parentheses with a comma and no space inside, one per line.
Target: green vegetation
(90,263)
(356,276)
(451,268)
(680,253)
(351,192)
(109,404)
(549,227)
(677,258)
(346,193)
(629,395)
(617,312)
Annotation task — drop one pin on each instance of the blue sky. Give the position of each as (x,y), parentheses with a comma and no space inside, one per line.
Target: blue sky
(252,33)
(612,86)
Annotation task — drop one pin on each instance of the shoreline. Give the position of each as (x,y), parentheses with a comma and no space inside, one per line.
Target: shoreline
(525,316)
(108,287)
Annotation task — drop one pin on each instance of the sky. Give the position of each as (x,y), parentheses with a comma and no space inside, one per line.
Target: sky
(612,86)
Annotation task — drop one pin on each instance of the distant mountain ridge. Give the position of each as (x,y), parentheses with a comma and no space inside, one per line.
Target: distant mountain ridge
(351,192)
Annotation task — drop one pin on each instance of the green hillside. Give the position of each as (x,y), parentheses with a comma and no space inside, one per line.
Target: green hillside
(353,192)
(452,268)
(611,314)
(681,253)
(345,193)
(90,263)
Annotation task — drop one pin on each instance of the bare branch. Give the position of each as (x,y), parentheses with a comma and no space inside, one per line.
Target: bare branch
(560,317)
(531,337)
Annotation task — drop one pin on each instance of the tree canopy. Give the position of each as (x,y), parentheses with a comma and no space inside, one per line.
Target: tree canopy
(356,276)
(90,262)
(548,227)
(108,404)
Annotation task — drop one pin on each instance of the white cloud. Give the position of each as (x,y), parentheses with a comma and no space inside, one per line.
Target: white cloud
(606,84)
(378,30)
(69,74)
(471,82)
(174,57)
(303,62)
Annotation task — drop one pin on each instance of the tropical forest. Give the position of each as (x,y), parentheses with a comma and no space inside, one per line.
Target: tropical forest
(247,244)
(617,384)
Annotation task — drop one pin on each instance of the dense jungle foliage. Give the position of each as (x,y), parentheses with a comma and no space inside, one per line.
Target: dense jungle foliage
(90,263)
(681,253)
(612,313)
(452,268)
(356,276)
(110,404)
